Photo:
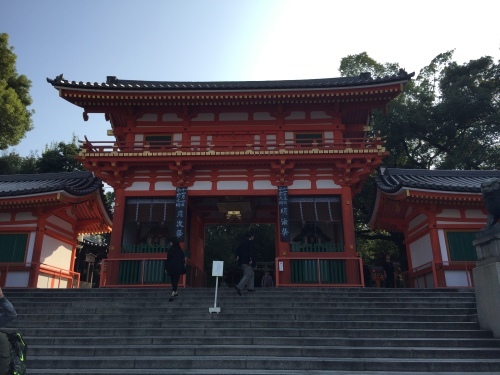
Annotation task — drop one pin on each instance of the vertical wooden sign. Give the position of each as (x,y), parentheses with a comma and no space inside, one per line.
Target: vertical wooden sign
(180,213)
(283,213)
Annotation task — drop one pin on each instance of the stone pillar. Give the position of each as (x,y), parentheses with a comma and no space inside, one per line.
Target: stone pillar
(487,278)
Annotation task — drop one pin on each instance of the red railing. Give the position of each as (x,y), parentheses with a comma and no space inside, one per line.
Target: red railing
(442,274)
(54,275)
(297,271)
(230,145)
(147,271)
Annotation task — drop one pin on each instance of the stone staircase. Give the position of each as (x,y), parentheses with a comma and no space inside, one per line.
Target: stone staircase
(271,331)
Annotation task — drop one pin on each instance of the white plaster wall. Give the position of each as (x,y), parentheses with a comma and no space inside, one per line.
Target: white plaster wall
(449,213)
(263,185)
(262,116)
(328,137)
(319,114)
(138,186)
(17,279)
(202,185)
(171,117)
(296,115)
(456,278)
(417,221)
(149,117)
(204,117)
(31,245)
(240,116)
(45,281)
(442,245)
(425,281)
(24,216)
(56,253)
(300,184)
(475,214)
(164,185)
(421,251)
(60,223)
(232,185)
(326,184)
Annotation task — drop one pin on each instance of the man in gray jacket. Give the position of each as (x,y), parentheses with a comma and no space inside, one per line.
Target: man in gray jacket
(7,314)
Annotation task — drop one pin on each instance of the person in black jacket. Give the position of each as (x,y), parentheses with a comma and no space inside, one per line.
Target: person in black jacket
(388,272)
(175,265)
(7,313)
(245,255)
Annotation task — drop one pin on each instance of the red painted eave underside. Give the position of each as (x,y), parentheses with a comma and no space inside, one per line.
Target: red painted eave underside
(86,209)
(392,208)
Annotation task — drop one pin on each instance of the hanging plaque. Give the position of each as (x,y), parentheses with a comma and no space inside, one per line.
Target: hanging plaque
(283,213)
(180,213)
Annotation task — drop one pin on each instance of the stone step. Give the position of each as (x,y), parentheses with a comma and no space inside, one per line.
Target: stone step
(155,305)
(272,331)
(232,312)
(252,350)
(215,331)
(173,339)
(144,363)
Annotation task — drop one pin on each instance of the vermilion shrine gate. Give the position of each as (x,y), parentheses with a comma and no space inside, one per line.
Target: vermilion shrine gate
(188,154)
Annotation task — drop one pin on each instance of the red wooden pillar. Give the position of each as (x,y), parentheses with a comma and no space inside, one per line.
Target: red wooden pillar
(352,268)
(37,249)
(439,279)
(348,221)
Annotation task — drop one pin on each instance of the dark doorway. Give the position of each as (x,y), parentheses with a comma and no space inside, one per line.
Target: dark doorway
(221,241)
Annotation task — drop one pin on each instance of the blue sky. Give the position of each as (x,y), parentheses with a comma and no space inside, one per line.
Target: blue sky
(223,40)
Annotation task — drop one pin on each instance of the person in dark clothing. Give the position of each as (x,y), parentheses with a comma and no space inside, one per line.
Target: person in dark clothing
(388,272)
(245,255)
(7,314)
(175,265)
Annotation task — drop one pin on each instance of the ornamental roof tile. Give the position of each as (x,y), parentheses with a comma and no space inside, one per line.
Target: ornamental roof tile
(75,183)
(393,180)
(114,84)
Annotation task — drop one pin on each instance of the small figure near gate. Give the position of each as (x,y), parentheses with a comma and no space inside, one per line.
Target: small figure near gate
(267,281)
(175,265)
(388,272)
(245,255)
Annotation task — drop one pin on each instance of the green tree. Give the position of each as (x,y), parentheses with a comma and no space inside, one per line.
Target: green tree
(15,117)
(60,157)
(447,118)
(13,163)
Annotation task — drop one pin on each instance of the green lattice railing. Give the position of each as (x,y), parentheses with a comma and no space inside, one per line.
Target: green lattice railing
(305,271)
(328,247)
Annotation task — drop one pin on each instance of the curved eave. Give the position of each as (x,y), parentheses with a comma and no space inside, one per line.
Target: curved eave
(89,210)
(97,98)
(121,85)
(390,208)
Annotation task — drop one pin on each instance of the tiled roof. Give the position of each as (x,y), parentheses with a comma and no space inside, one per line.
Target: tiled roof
(75,183)
(392,180)
(113,83)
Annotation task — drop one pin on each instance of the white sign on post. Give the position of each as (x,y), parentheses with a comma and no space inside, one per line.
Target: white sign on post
(217,268)
(217,271)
